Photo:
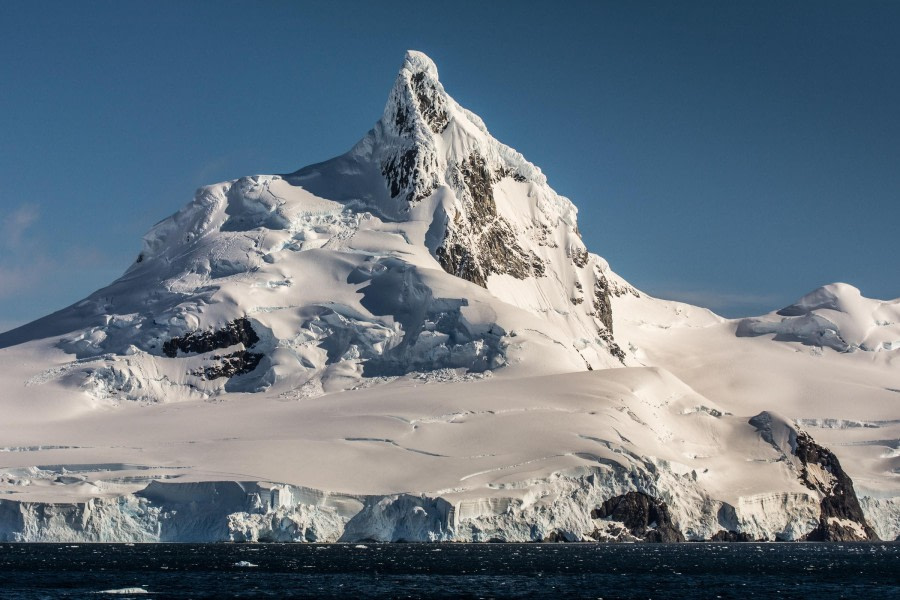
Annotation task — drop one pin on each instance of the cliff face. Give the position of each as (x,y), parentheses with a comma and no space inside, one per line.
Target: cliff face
(841,518)
(642,517)
(478,242)
(572,508)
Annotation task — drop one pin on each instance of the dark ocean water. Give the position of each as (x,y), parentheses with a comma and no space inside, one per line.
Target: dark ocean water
(857,571)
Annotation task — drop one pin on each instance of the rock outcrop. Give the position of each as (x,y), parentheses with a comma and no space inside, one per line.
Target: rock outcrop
(731,536)
(239,362)
(642,517)
(239,331)
(841,518)
(478,242)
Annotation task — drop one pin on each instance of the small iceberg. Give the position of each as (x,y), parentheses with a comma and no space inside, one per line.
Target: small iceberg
(244,563)
(129,591)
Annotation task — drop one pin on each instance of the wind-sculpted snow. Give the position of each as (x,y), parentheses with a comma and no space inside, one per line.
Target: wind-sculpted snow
(333,296)
(488,215)
(835,316)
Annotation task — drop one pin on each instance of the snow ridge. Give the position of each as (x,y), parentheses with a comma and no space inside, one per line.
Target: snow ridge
(835,316)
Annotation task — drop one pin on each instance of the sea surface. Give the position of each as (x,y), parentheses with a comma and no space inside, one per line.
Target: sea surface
(703,570)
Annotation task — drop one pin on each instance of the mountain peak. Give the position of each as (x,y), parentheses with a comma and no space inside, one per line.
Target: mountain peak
(418,106)
(419,62)
(834,296)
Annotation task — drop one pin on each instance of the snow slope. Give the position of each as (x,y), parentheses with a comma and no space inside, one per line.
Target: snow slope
(410,341)
(847,398)
(516,458)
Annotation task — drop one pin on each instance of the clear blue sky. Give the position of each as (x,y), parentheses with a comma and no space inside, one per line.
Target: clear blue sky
(734,155)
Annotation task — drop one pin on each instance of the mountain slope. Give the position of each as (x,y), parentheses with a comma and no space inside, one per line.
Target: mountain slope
(845,397)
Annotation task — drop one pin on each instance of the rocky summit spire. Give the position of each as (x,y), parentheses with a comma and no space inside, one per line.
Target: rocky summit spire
(417,110)
(493,214)
(418,102)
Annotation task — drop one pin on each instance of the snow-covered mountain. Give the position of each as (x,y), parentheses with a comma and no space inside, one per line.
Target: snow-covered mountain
(395,344)
(430,245)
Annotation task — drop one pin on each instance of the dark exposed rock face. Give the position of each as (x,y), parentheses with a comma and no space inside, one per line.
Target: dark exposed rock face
(229,365)
(413,171)
(408,171)
(579,257)
(618,290)
(432,104)
(839,504)
(611,345)
(643,516)
(399,171)
(478,242)
(239,331)
(602,303)
(841,518)
(731,536)
(603,311)
(558,537)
